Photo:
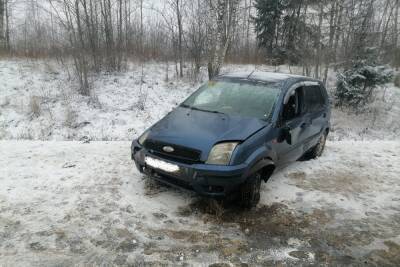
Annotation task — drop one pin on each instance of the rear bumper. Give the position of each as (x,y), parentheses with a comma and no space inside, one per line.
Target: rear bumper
(207,180)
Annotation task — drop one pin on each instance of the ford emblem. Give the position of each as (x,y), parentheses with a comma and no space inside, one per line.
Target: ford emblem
(168,149)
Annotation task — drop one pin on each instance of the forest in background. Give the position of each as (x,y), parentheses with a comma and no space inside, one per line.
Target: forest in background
(102,35)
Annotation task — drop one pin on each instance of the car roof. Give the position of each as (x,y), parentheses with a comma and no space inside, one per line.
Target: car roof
(263,76)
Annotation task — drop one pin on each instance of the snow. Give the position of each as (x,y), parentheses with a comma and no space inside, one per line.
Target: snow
(121,107)
(356,171)
(263,76)
(68,203)
(82,202)
(379,121)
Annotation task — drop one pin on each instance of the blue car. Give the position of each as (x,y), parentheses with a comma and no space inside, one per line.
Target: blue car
(234,132)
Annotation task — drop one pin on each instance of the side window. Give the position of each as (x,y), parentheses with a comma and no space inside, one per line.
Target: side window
(314,100)
(293,108)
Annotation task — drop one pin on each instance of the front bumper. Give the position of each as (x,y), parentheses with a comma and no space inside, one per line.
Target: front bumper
(207,180)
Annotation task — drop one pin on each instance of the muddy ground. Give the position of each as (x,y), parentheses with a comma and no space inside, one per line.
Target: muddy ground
(67,203)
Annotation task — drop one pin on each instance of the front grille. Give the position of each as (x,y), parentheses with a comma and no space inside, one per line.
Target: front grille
(180,153)
(172,181)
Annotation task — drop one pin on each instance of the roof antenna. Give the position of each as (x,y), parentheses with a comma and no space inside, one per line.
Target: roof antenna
(248,77)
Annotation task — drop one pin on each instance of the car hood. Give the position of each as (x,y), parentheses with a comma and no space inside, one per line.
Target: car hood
(201,130)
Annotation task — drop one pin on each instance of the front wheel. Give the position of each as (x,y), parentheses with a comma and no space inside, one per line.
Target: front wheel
(250,191)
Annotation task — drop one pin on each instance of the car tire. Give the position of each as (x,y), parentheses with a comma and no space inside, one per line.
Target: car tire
(250,191)
(318,149)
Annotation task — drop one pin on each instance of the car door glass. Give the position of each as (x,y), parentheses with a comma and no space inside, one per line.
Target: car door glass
(314,100)
(292,109)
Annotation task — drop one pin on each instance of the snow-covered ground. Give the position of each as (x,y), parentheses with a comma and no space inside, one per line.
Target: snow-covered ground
(73,203)
(70,203)
(39,102)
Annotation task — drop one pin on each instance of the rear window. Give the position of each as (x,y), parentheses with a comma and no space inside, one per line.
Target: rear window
(314,99)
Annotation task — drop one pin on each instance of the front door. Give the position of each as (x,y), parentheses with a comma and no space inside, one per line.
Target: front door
(297,125)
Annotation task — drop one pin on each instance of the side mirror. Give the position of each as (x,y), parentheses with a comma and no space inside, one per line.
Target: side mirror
(285,135)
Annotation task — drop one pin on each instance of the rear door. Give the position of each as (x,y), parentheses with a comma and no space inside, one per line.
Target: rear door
(315,113)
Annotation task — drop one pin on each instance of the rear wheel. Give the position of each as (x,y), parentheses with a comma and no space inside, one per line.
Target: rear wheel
(250,191)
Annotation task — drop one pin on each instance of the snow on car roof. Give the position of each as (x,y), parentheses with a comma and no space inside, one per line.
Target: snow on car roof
(261,76)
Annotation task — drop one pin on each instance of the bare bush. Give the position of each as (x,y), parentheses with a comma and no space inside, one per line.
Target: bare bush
(397,80)
(94,100)
(26,134)
(34,106)
(5,102)
(45,131)
(70,117)
(142,99)
(3,132)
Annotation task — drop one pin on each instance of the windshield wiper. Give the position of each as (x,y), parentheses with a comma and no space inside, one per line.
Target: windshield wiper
(200,109)
(216,111)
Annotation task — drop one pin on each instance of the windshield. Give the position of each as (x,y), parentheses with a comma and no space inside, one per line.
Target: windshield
(247,99)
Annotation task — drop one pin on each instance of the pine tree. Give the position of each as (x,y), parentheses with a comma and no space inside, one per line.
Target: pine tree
(355,85)
(282,31)
(269,13)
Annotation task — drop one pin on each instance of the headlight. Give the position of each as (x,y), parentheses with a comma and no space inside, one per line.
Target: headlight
(143,138)
(221,153)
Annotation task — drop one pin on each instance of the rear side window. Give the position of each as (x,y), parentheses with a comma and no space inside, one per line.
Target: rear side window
(314,100)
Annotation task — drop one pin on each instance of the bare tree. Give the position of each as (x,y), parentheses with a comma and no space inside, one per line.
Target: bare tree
(318,39)
(103,34)
(177,5)
(7,27)
(196,33)
(220,30)
(330,53)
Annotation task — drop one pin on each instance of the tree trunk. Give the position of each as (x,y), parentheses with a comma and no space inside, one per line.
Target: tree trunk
(338,30)
(396,24)
(81,61)
(2,28)
(332,29)
(319,41)
(120,38)
(141,48)
(180,36)
(7,28)
(224,15)
(248,23)
(385,28)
